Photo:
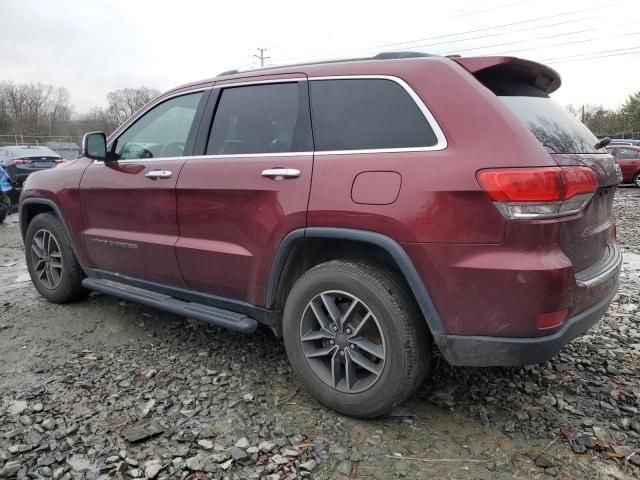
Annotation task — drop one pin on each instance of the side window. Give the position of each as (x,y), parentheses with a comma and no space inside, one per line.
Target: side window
(626,154)
(360,114)
(258,119)
(161,132)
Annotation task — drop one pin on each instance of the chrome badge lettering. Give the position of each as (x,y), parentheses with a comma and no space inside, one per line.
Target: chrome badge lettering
(113,243)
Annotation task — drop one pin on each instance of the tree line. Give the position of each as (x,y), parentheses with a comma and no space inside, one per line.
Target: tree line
(36,109)
(39,110)
(623,122)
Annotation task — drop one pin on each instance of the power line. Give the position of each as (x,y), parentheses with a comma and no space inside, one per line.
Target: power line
(406,44)
(531,20)
(535,27)
(569,59)
(548,60)
(523,41)
(560,44)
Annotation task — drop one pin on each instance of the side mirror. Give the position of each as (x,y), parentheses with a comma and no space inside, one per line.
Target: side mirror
(94,146)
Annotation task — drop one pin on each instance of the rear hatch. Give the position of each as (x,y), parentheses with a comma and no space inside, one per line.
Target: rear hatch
(524,88)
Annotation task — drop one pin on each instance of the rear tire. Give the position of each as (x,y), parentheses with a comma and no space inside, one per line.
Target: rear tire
(52,264)
(361,368)
(636,180)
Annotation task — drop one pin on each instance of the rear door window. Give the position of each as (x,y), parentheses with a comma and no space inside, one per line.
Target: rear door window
(259,119)
(364,114)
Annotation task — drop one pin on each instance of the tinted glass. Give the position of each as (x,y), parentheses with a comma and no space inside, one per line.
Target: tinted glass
(625,154)
(554,127)
(365,114)
(162,131)
(256,119)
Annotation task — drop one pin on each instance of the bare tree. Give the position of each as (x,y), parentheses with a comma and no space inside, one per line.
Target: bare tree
(27,107)
(127,101)
(95,119)
(60,111)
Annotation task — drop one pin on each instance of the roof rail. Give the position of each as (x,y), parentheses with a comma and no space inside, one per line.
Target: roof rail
(379,56)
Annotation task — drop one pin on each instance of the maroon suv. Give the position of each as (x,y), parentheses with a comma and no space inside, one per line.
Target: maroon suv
(369,211)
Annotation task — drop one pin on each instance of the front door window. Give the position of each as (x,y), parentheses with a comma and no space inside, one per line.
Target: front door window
(161,132)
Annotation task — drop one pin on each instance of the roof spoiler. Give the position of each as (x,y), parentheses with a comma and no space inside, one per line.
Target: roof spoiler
(512,68)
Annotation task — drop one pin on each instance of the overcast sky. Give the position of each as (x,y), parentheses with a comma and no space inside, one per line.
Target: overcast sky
(92,47)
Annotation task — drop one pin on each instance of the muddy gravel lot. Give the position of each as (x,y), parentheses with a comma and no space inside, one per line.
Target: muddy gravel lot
(107,389)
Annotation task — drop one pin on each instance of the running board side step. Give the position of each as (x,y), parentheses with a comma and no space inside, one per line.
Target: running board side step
(212,315)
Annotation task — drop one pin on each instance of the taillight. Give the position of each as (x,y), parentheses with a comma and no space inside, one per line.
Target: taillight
(522,193)
(22,161)
(59,160)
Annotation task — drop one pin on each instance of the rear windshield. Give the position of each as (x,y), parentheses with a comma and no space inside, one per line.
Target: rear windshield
(554,127)
(33,152)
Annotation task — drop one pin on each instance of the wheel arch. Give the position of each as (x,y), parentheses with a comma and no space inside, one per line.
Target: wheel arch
(31,207)
(296,251)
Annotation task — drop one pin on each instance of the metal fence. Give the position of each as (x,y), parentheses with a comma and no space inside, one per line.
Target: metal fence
(625,135)
(20,139)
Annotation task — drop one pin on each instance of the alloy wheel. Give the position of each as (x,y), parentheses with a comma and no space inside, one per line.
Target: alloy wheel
(46,259)
(342,341)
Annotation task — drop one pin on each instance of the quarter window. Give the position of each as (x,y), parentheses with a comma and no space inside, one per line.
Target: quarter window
(161,132)
(362,114)
(258,119)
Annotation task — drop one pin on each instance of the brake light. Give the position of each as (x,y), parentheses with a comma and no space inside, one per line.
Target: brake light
(59,160)
(22,161)
(522,193)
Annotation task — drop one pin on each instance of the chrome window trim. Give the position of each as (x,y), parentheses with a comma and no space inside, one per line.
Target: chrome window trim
(209,157)
(441,140)
(249,83)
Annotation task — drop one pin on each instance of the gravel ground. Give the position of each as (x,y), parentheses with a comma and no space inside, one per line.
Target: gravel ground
(107,389)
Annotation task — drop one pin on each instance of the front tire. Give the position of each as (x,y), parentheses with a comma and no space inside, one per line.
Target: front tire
(52,264)
(636,180)
(355,337)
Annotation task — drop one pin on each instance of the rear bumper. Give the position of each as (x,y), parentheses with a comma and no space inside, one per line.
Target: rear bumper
(485,351)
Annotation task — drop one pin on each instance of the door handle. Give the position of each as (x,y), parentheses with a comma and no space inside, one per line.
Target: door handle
(156,174)
(280,173)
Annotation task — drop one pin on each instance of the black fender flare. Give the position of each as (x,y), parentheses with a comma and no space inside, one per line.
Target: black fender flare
(56,210)
(404,263)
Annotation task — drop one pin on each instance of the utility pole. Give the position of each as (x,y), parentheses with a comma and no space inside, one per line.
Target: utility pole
(261,57)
